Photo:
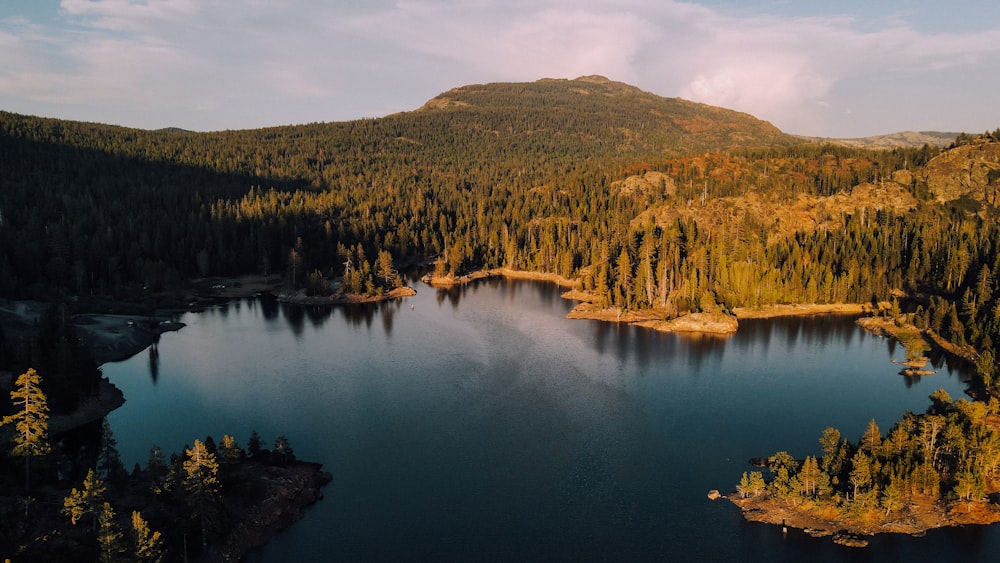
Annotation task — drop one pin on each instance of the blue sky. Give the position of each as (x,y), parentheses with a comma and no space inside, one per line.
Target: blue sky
(838,69)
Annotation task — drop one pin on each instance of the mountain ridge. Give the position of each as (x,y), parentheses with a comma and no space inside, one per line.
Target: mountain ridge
(652,123)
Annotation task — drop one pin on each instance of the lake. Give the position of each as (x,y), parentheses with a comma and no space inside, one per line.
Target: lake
(479,424)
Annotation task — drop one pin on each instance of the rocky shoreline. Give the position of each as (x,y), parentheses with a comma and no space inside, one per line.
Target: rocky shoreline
(919,517)
(286,490)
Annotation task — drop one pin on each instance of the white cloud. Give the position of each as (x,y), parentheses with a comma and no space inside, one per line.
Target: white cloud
(246,63)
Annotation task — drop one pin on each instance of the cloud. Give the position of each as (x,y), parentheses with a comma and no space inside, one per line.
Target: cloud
(246,63)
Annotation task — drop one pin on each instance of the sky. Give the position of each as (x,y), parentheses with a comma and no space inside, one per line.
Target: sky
(847,68)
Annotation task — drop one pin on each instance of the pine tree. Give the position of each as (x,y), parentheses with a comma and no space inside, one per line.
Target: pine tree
(283,449)
(809,475)
(31,422)
(86,501)
(201,486)
(231,451)
(871,442)
(757,484)
(829,442)
(894,494)
(148,543)
(254,444)
(109,463)
(109,536)
(743,488)
(861,472)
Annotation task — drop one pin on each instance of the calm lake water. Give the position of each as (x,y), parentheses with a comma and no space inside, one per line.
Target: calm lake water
(479,424)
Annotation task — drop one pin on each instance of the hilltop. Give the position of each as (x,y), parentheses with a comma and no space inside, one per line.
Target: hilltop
(613,118)
(902,139)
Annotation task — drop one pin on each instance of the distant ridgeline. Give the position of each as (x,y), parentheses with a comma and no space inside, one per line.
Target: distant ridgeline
(649,202)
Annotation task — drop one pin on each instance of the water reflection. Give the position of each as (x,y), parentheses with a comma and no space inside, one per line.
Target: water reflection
(295,316)
(318,314)
(507,430)
(387,310)
(269,306)
(154,360)
(359,315)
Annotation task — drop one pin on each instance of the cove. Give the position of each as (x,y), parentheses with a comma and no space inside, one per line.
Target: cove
(478,423)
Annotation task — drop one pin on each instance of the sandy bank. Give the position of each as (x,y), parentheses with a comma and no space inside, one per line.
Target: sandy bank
(707,323)
(451,280)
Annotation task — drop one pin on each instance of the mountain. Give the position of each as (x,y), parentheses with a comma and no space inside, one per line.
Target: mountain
(610,117)
(901,139)
(548,120)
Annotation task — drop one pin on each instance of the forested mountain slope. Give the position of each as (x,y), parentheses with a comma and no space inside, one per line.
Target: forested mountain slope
(93,208)
(651,203)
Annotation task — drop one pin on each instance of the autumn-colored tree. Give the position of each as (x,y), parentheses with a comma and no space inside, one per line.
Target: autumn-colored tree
(31,421)
(201,486)
(148,544)
(86,501)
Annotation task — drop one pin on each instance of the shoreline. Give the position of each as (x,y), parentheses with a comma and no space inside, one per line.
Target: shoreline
(919,517)
(714,324)
(300,298)
(452,281)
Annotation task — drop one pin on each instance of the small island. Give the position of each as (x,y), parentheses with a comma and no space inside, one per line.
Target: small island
(940,468)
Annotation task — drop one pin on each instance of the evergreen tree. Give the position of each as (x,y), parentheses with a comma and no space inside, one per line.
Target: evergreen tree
(31,422)
(283,449)
(829,441)
(148,543)
(757,484)
(109,464)
(156,462)
(861,472)
(231,451)
(254,444)
(85,502)
(871,442)
(743,488)
(109,536)
(201,486)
